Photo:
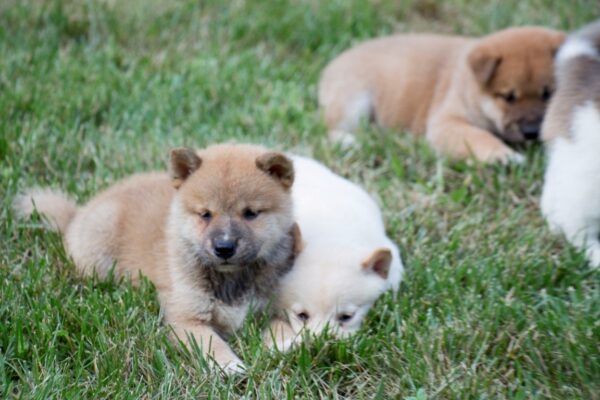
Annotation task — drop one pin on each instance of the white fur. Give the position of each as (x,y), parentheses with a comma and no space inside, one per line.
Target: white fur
(575,47)
(343,138)
(571,195)
(341,227)
(357,109)
(492,112)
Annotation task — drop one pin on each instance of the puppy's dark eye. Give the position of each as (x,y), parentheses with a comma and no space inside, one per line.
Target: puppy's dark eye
(303,316)
(509,97)
(249,214)
(345,317)
(546,93)
(205,215)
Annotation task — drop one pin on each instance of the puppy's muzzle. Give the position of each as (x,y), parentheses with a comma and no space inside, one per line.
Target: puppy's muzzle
(224,247)
(530,129)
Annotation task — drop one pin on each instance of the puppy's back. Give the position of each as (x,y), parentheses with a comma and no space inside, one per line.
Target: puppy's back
(338,220)
(320,195)
(124,225)
(385,70)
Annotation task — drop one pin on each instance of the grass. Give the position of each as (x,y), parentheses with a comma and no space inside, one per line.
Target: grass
(493,305)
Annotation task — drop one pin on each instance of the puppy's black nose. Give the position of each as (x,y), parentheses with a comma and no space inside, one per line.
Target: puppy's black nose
(224,248)
(530,129)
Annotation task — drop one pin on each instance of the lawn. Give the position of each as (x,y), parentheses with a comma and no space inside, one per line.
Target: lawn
(492,306)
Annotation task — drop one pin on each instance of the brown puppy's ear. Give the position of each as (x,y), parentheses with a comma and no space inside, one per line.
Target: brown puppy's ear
(278,166)
(297,237)
(483,64)
(183,163)
(379,262)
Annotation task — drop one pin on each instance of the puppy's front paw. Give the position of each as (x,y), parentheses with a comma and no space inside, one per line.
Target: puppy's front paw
(502,154)
(282,344)
(280,336)
(515,158)
(227,361)
(233,367)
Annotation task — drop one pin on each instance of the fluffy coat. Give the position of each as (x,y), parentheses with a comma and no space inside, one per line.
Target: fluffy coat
(214,236)
(346,262)
(571,194)
(467,95)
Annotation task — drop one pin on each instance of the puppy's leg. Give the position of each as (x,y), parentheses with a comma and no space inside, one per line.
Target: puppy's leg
(211,344)
(592,246)
(593,254)
(578,230)
(280,336)
(90,239)
(457,138)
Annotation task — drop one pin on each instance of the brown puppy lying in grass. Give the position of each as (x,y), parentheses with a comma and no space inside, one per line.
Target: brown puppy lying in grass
(467,95)
(214,237)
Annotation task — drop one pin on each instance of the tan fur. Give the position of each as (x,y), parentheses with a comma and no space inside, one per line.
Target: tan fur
(448,88)
(58,209)
(152,224)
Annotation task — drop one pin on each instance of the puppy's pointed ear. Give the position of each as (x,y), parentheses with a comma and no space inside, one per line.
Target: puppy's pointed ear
(483,64)
(278,166)
(297,237)
(183,162)
(379,262)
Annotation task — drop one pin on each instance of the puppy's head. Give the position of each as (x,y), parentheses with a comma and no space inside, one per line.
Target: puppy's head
(514,71)
(233,205)
(334,292)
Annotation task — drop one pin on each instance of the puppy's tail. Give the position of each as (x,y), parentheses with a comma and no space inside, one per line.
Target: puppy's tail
(56,207)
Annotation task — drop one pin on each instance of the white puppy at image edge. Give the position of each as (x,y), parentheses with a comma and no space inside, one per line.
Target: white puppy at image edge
(571,195)
(346,262)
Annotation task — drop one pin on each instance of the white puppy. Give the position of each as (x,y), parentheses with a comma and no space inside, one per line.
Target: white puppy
(571,196)
(346,263)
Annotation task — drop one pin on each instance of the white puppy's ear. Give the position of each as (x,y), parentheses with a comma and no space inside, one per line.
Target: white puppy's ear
(183,163)
(379,262)
(278,166)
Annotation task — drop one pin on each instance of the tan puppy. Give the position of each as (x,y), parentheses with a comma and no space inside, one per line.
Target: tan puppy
(467,95)
(214,237)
